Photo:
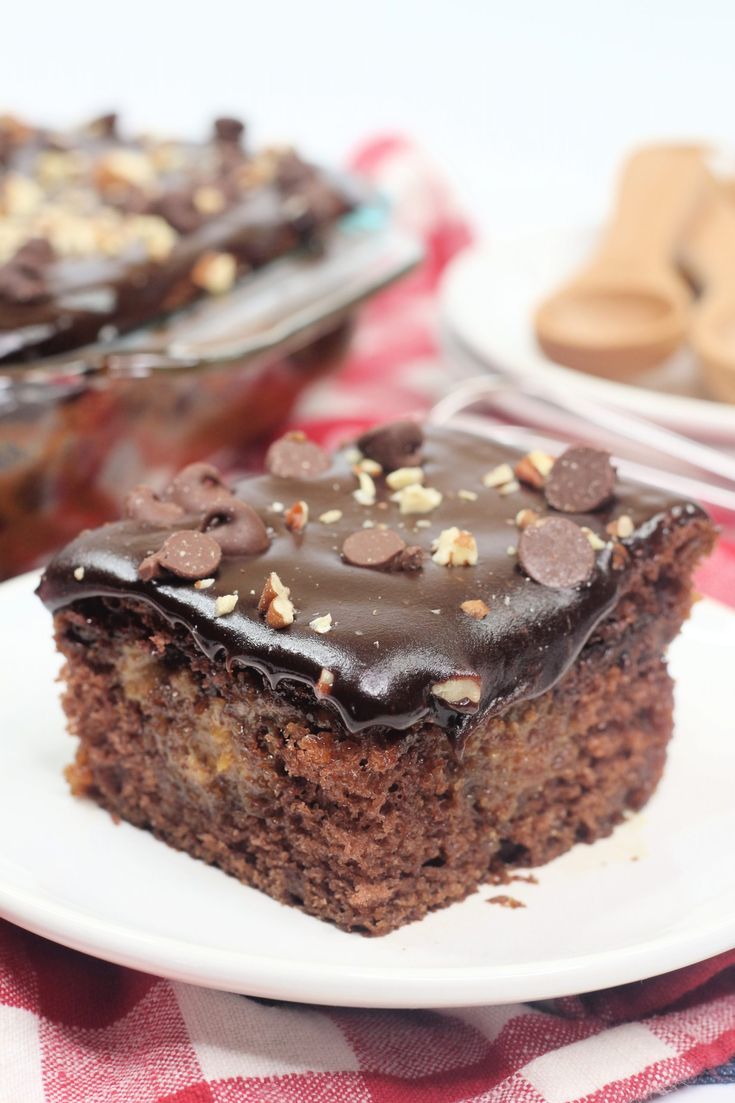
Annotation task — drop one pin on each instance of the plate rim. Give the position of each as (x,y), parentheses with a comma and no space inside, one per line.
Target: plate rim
(676,409)
(367,986)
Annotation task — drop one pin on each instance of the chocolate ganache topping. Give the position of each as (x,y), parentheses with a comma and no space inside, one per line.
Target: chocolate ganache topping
(469,592)
(102,233)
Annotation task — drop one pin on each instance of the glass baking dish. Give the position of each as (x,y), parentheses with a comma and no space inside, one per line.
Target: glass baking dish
(78,430)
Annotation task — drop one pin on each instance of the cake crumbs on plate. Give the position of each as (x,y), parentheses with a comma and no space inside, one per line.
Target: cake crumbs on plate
(505,901)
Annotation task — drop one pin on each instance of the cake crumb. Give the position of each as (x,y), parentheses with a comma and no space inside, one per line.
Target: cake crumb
(506,901)
(505,877)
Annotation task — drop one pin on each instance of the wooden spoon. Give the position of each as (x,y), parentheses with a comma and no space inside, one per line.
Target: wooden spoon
(629,308)
(708,257)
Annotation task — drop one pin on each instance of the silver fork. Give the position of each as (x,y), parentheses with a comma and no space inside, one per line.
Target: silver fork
(647,452)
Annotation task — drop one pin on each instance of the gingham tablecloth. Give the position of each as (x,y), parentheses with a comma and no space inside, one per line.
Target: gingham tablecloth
(77,1030)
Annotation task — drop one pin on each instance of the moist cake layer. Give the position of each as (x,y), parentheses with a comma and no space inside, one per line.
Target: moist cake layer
(373,829)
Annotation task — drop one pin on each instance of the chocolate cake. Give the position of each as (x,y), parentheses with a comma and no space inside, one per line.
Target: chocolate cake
(101,233)
(365,683)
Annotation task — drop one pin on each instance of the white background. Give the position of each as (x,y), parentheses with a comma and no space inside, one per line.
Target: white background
(528,103)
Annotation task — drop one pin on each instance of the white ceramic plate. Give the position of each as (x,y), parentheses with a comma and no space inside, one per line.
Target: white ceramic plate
(489,295)
(658,894)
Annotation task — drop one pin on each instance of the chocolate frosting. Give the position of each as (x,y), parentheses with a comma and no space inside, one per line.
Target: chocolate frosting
(394,633)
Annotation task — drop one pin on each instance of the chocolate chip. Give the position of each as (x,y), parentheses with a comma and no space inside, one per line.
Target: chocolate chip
(228,130)
(198,487)
(17,286)
(377,549)
(36,253)
(581,479)
(186,554)
(237,528)
(294,456)
(143,504)
(104,126)
(23,277)
(556,553)
(395,445)
(179,210)
(291,171)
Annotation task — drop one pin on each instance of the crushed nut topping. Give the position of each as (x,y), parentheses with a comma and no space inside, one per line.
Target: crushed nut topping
(619,557)
(476,608)
(208,199)
(462,692)
(79,573)
(321,624)
(370,467)
(534,468)
(417,499)
(404,476)
(509,488)
(326,682)
(297,516)
(203,583)
(467,495)
(499,476)
(455,548)
(330,516)
(595,542)
(365,494)
(225,604)
(215,272)
(275,602)
(621,527)
(124,166)
(525,517)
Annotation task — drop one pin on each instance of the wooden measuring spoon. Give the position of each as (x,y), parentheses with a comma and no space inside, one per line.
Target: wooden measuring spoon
(708,257)
(629,308)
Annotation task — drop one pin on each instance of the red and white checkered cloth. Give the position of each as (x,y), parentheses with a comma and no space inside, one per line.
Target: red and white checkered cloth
(76,1030)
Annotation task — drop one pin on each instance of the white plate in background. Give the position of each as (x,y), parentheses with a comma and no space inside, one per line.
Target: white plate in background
(656,895)
(489,295)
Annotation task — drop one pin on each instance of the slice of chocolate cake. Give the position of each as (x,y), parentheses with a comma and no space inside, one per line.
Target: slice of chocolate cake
(365,683)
